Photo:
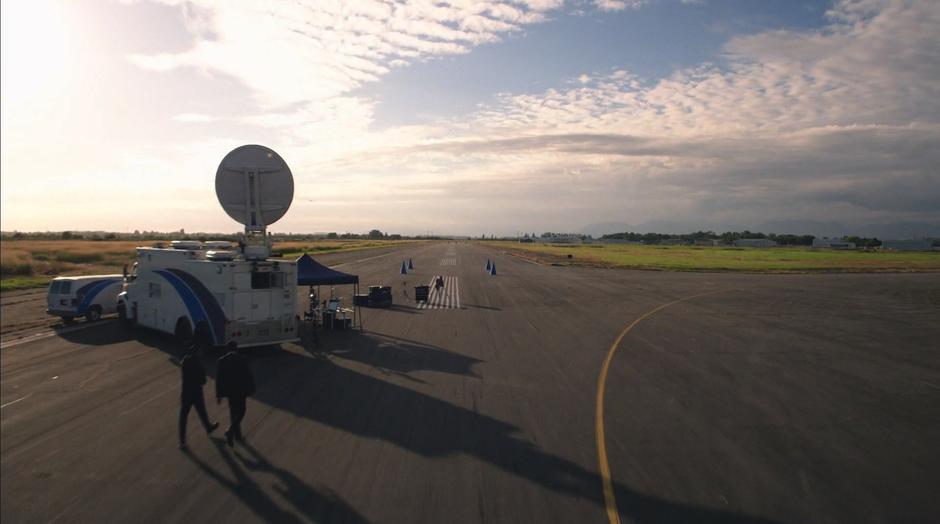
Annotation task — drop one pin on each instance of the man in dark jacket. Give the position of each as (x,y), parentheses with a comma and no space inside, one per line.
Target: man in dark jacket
(194,377)
(234,381)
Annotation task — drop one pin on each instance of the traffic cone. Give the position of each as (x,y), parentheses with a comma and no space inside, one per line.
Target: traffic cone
(404,270)
(493,269)
(487,265)
(410,264)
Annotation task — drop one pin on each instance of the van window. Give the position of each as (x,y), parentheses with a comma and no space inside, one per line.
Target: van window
(54,288)
(65,287)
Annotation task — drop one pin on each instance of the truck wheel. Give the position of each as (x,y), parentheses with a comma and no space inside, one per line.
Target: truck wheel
(183,332)
(93,314)
(68,320)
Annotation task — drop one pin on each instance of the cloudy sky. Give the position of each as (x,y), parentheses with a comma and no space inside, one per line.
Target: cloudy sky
(473,117)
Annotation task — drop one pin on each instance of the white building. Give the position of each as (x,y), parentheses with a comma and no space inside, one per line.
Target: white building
(563,238)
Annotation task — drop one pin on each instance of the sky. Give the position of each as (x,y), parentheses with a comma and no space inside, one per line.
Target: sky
(474,117)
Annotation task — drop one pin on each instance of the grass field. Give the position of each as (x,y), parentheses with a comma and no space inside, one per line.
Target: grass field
(33,263)
(694,258)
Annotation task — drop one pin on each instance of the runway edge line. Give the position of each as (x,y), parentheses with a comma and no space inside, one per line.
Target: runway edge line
(610,500)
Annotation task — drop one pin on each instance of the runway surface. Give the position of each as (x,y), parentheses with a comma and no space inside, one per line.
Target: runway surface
(769,398)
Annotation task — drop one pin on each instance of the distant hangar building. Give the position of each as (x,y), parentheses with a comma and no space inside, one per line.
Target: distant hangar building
(754,242)
(833,243)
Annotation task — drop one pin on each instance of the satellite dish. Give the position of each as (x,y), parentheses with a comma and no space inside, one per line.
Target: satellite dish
(254,186)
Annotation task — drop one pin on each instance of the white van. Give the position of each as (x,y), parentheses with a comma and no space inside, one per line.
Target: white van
(88,296)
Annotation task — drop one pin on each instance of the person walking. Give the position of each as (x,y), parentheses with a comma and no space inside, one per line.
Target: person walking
(235,382)
(194,377)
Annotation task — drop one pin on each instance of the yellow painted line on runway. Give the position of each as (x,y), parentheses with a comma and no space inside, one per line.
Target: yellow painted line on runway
(610,500)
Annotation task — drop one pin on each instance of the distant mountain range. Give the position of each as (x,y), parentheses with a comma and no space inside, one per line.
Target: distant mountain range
(891,230)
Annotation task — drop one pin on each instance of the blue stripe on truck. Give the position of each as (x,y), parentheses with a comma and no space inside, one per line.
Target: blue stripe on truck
(200,303)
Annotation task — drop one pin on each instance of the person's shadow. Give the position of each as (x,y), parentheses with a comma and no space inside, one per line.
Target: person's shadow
(328,507)
(306,500)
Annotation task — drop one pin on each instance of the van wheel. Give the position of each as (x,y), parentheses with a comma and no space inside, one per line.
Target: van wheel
(183,332)
(68,320)
(93,314)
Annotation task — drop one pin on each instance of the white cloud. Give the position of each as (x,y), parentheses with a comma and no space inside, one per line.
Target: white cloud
(194,118)
(306,51)
(619,5)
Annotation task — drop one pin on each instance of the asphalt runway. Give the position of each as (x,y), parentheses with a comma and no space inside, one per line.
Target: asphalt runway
(769,398)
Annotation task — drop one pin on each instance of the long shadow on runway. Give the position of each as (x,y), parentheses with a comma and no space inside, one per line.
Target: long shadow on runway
(477,306)
(100,335)
(316,388)
(404,308)
(397,355)
(366,406)
(304,498)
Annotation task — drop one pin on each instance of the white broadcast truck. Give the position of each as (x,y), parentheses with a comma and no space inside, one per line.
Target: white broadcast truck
(210,293)
(211,296)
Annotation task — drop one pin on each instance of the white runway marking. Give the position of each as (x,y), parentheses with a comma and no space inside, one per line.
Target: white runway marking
(448,261)
(149,400)
(15,401)
(364,259)
(447,297)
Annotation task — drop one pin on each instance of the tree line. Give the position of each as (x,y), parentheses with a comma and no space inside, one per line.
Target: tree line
(729,237)
(201,236)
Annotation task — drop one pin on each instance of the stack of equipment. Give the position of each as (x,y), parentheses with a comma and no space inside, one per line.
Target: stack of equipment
(380,296)
(421,293)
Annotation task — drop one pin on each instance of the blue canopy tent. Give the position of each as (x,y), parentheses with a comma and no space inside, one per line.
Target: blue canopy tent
(312,273)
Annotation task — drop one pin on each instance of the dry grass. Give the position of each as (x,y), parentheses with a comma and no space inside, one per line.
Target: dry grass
(32,263)
(295,249)
(50,258)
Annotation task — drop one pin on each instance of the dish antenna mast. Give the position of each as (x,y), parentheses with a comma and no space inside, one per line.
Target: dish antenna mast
(255,187)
